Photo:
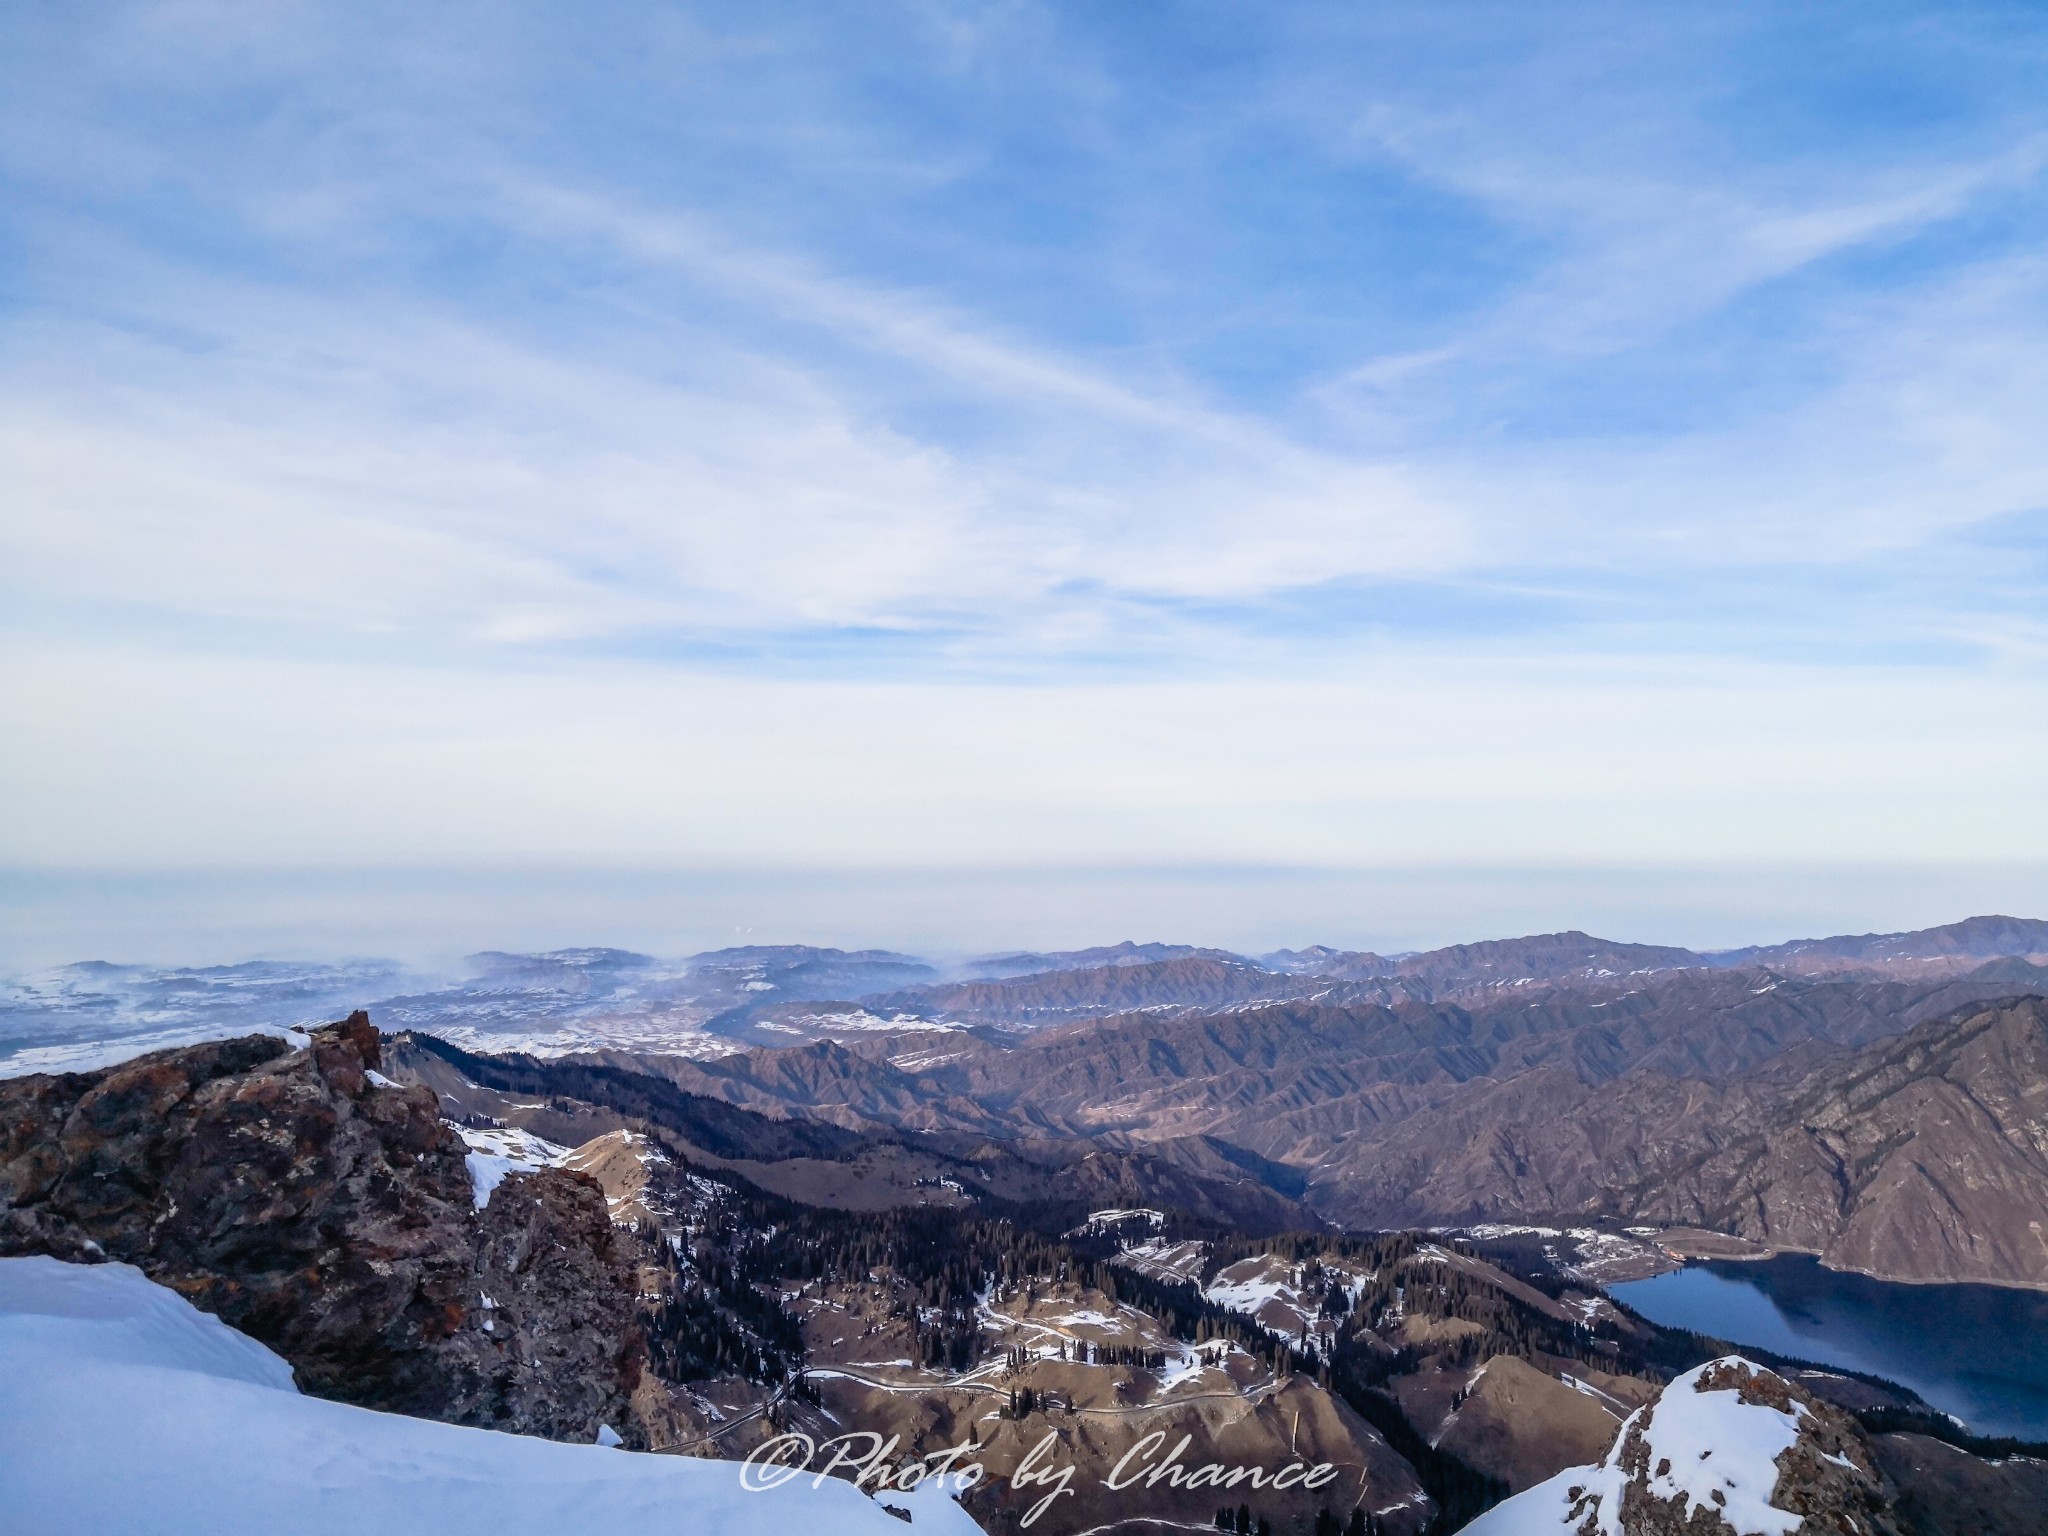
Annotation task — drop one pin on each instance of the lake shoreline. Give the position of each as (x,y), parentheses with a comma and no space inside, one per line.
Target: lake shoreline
(1702,1246)
(1978,1353)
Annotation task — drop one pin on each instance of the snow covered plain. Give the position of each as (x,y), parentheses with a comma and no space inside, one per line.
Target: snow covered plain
(123,1409)
(77,1018)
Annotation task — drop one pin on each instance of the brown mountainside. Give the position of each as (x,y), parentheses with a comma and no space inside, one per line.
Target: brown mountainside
(1696,1096)
(572,1100)
(1920,1158)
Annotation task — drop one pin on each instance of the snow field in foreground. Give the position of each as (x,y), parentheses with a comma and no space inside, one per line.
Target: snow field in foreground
(124,1409)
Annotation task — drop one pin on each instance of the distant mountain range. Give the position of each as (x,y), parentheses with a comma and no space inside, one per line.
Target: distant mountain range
(779,995)
(1877,1099)
(1034,990)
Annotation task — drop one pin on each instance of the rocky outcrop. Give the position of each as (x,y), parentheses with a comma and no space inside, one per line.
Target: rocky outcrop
(329,1213)
(1729,1449)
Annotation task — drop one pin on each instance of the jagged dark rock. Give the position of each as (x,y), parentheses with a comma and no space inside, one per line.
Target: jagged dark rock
(330,1215)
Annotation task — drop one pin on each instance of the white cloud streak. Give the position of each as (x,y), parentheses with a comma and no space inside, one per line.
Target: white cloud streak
(335,505)
(141,761)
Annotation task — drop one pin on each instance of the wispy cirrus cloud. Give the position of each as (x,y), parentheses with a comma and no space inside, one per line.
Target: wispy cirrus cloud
(1035,350)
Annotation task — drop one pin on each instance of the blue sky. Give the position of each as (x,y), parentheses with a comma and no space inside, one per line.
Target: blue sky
(759,436)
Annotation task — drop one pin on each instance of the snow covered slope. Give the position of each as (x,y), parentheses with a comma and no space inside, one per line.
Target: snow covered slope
(123,1409)
(495,1154)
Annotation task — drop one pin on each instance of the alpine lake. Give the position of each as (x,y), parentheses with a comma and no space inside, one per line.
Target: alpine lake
(1978,1352)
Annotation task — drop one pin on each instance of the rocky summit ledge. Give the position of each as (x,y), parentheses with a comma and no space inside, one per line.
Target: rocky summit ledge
(308,1201)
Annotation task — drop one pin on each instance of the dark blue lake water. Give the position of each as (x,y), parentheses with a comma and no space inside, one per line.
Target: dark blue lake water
(1979,1352)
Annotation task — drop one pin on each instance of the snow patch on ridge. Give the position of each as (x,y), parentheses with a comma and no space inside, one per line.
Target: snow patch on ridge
(1711,1449)
(497,1153)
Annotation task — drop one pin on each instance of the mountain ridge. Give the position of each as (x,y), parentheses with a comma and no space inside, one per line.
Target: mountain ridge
(1448,1112)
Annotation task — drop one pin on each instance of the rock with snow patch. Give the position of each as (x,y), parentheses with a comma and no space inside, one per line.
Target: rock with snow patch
(1729,1449)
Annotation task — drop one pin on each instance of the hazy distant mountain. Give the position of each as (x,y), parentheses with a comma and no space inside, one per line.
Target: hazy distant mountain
(1483,975)
(573,998)
(558,969)
(1196,981)
(753,995)
(801,971)
(1029,962)
(77,1016)
(1973,938)
(756,995)
(1190,980)
(1318,960)
(1492,963)
(81,1015)
(1539,957)
(1558,956)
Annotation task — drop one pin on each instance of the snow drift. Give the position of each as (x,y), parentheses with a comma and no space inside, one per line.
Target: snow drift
(125,1409)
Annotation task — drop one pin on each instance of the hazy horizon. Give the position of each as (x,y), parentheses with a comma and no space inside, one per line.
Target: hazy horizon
(433,918)
(1230,448)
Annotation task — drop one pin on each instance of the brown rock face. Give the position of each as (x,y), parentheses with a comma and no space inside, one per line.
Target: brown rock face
(1922,1157)
(331,1217)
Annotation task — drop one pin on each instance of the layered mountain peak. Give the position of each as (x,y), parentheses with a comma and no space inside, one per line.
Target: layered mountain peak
(1316,960)
(1535,957)
(1728,1449)
(1541,957)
